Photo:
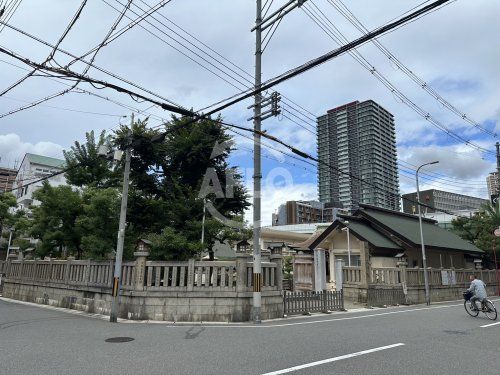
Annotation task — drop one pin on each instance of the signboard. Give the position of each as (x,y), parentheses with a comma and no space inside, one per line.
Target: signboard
(448,277)
(444,278)
(453,278)
(494,198)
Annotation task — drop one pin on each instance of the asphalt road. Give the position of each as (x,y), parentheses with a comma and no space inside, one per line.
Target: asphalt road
(440,339)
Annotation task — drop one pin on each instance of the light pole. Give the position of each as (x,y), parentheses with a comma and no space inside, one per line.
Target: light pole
(424,260)
(346,228)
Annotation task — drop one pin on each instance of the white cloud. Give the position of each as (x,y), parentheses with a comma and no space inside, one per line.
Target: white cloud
(12,149)
(278,186)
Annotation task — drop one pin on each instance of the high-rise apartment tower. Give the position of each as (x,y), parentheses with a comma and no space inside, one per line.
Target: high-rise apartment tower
(357,153)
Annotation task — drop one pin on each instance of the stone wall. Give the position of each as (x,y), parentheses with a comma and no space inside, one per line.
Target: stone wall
(170,291)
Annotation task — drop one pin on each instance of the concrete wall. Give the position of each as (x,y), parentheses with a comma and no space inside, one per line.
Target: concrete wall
(150,305)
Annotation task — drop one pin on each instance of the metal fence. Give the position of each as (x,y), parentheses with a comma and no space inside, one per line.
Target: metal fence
(380,297)
(306,302)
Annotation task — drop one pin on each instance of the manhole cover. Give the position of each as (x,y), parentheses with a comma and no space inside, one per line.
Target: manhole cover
(119,339)
(456,332)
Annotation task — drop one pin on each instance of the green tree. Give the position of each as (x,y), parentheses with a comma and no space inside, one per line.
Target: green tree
(54,220)
(478,229)
(86,167)
(7,202)
(167,177)
(98,222)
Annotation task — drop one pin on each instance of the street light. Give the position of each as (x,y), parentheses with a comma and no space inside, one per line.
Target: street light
(424,260)
(346,228)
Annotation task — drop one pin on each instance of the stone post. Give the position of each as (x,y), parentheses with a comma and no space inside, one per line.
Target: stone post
(265,255)
(190,276)
(365,264)
(365,271)
(140,269)
(10,258)
(278,259)
(241,271)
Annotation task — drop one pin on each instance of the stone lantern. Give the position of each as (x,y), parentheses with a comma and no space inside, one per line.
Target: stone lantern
(143,246)
(243,247)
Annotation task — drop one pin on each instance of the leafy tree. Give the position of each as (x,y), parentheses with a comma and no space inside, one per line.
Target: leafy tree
(98,222)
(7,202)
(54,220)
(166,178)
(86,167)
(478,229)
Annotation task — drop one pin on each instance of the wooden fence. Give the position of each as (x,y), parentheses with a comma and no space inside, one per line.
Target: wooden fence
(305,302)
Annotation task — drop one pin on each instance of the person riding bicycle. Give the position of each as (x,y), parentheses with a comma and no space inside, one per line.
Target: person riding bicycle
(478,288)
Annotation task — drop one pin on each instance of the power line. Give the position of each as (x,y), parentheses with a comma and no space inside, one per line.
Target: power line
(102,70)
(102,97)
(334,33)
(347,13)
(52,52)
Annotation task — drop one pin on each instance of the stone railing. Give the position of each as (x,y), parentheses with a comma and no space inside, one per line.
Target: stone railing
(158,276)
(189,290)
(385,275)
(351,275)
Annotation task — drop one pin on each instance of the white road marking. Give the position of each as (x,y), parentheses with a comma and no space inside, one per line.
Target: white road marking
(489,325)
(334,359)
(228,325)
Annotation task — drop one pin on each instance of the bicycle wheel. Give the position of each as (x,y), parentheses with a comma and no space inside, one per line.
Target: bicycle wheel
(468,308)
(489,310)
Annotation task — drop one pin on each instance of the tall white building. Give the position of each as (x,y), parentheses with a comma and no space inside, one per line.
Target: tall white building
(32,168)
(492,182)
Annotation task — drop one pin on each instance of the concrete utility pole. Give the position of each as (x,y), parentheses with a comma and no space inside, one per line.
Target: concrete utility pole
(498,169)
(113,317)
(424,260)
(257,174)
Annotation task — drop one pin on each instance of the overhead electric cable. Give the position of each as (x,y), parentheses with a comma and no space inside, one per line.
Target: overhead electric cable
(349,15)
(335,34)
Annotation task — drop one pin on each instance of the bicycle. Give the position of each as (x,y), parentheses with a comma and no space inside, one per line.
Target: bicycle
(487,307)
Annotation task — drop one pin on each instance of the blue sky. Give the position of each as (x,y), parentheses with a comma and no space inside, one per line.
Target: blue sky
(448,49)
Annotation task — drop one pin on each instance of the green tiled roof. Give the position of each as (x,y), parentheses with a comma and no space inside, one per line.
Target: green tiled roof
(407,227)
(45,160)
(371,235)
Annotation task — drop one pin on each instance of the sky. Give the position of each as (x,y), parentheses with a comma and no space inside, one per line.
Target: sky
(452,49)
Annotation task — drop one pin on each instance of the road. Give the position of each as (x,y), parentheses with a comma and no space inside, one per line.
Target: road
(440,339)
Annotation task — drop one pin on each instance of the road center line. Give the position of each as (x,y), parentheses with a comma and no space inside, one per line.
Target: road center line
(489,325)
(334,359)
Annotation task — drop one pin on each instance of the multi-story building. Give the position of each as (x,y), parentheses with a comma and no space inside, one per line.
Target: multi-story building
(32,168)
(437,200)
(357,153)
(7,177)
(492,182)
(304,212)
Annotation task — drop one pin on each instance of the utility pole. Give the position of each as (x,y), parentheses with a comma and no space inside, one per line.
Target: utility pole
(203,226)
(258,117)
(113,317)
(498,170)
(257,174)
(424,259)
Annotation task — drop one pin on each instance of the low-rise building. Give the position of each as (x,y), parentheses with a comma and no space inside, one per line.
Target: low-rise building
(7,177)
(32,168)
(304,212)
(438,200)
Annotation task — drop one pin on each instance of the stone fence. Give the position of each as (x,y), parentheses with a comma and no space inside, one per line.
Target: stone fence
(445,284)
(151,290)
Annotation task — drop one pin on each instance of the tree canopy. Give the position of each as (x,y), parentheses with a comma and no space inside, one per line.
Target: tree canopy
(173,171)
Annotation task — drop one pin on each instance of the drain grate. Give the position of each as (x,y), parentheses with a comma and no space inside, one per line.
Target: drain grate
(119,339)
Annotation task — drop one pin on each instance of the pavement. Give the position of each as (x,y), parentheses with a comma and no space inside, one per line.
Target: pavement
(436,339)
